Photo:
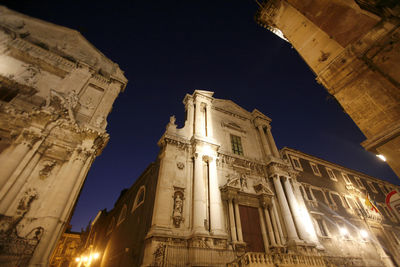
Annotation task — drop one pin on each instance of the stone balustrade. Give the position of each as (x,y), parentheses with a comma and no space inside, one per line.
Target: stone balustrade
(254,259)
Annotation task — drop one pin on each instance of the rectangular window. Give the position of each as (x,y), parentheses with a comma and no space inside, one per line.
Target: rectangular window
(360,184)
(236,145)
(321,227)
(315,169)
(346,178)
(331,174)
(372,187)
(296,163)
(308,192)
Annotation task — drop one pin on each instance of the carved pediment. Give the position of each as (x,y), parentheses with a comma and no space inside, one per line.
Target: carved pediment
(262,188)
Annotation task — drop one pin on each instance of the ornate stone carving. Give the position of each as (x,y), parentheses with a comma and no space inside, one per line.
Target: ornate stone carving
(180,165)
(26,201)
(159,255)
(28,138)
(237,180)
(48,166)
(177,215)
(69,101)
(30,75)
(262,188)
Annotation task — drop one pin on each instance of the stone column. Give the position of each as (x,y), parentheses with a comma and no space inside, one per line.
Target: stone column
(209,121)
(238,223)
(263,232)
(312,236)
(264,141)
(199,196)
(216,212)
(198,119)
(189,116)
(277,224)
(56,208)
(232,220)
(272,142)
(287,215)
(10,163)
(298,218)
(10,196)
(269,227)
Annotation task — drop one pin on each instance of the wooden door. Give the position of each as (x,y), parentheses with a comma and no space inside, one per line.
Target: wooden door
(251,228)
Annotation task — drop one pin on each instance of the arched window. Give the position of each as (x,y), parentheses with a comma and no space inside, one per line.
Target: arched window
(122,215)
(139,199)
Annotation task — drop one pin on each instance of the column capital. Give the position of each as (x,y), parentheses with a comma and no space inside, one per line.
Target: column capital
(28,138)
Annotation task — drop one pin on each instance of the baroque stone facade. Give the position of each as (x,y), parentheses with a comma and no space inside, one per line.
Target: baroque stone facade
(221,194)
(56,91)
(354,50)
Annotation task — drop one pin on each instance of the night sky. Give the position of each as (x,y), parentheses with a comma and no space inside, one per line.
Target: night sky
(170,48)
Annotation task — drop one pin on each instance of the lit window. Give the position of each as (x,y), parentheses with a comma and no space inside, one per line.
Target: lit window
(372,187)
(322,227)
(296,163)
(122,215)
(315,169)
(139,199)
(346,178)
(236,145)
(331,174)
(360,184)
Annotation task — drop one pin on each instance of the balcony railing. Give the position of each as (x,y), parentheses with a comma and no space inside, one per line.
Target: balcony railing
(261,259)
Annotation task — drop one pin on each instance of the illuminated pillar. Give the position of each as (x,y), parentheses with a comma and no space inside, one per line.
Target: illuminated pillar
(264,141)
(11,195)
(263,232)
(287,216)
(10,161)
(238,223)
(199,119)
(216,212)
(209,121)
(58,204)
(232,220)
(298,219)
(272,142)
(312,236)
(276,223)
(189,115)
(269,226)
(199,194)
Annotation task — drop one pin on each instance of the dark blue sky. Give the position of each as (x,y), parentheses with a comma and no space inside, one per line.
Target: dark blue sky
(170,48)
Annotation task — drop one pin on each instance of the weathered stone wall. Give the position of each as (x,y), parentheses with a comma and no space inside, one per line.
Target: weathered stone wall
(56,91)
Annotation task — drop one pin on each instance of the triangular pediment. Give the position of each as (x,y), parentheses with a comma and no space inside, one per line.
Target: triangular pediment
(60,40)
(258,114)
(231,107)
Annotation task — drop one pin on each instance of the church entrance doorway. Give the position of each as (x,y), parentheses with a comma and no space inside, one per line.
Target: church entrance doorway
(251,229)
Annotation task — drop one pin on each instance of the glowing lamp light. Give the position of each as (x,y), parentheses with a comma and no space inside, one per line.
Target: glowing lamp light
(96,255)
(77,259)
(382,157)
(364,234)
(343,231)
(85,259)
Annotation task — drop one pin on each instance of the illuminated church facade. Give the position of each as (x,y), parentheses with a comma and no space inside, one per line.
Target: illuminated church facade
(220,193)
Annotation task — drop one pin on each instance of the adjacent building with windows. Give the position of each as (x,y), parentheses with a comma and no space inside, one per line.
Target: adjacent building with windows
(220,193)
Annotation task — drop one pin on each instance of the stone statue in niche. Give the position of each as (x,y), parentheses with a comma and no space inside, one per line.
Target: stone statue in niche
(47,168)
(177,215)
(69,101)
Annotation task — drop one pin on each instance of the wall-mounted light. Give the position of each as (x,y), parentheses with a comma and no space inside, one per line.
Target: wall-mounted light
(343,231)
(382,157)
(363,233)
(77,259)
